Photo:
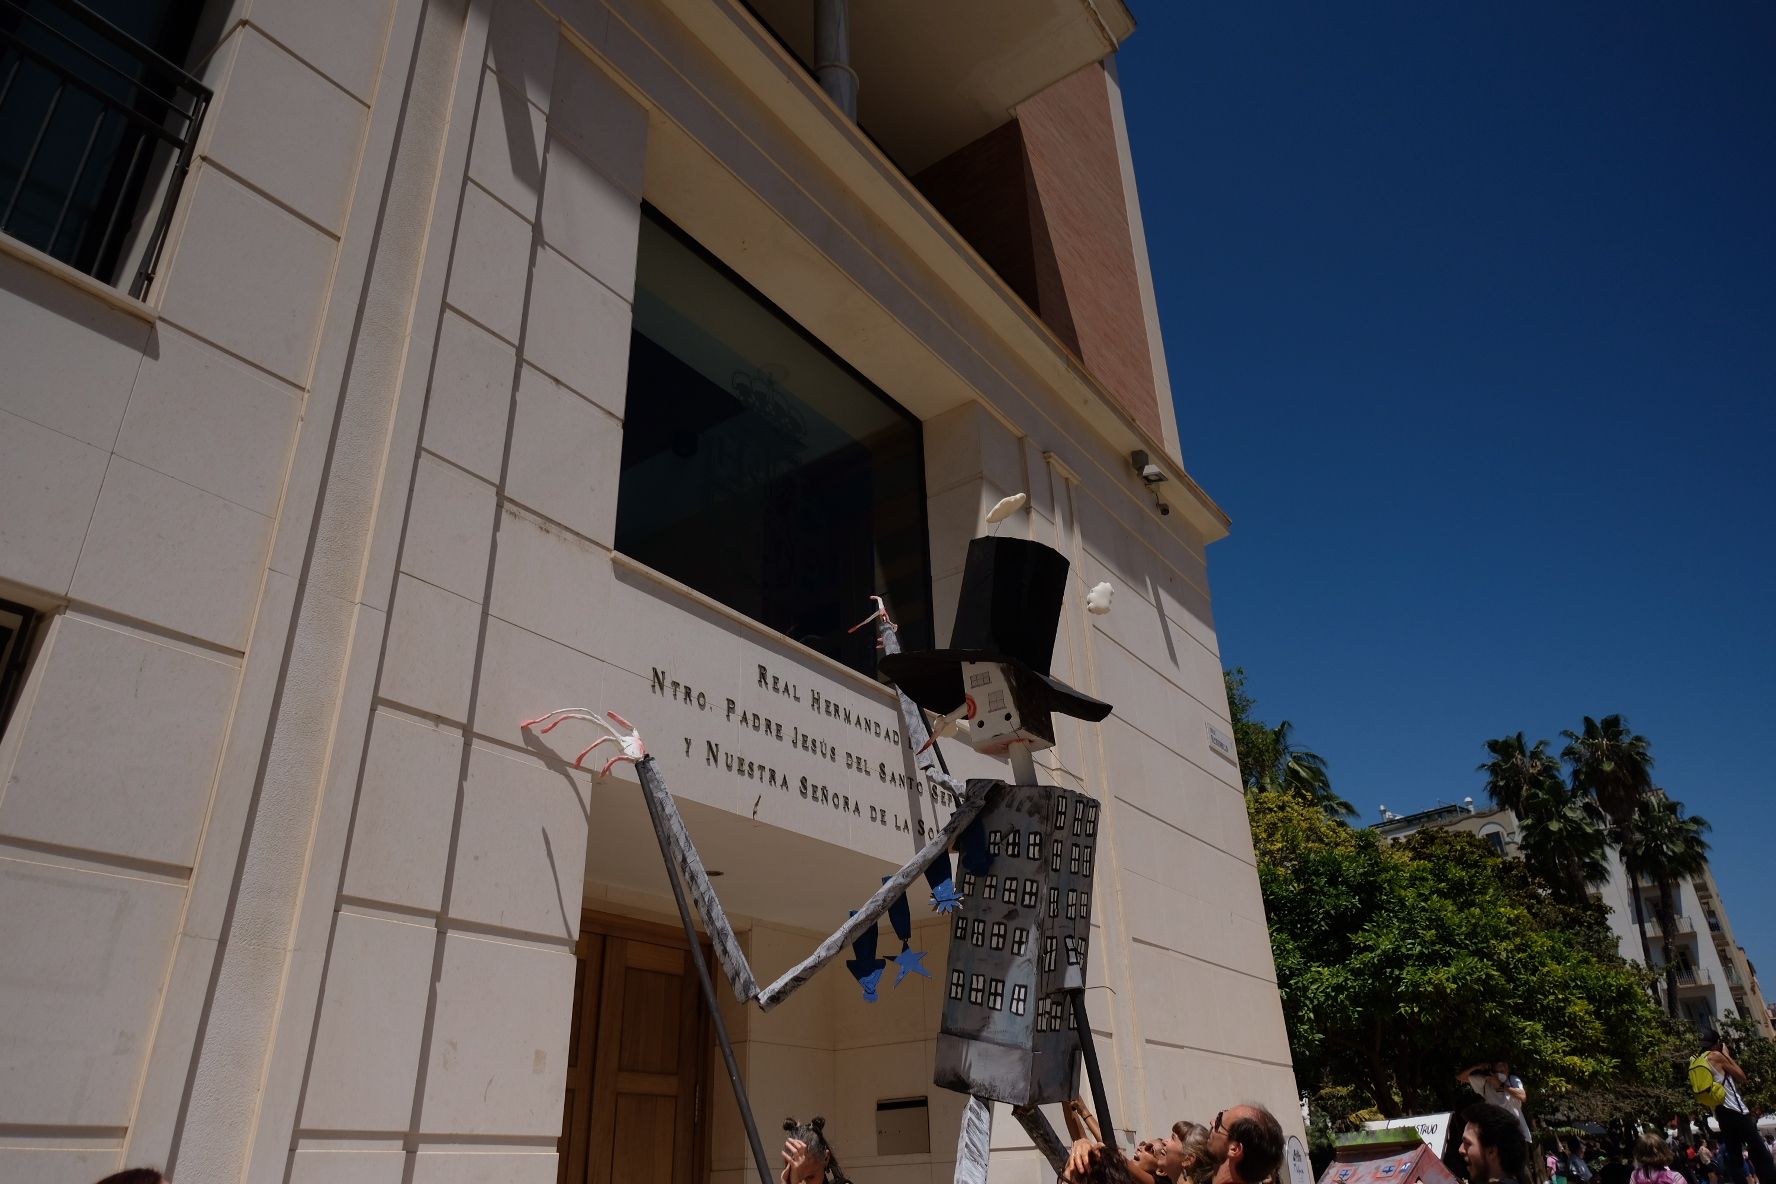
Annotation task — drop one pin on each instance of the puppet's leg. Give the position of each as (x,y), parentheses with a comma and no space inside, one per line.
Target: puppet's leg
(871,911)
(1043,1134)
(974,1143)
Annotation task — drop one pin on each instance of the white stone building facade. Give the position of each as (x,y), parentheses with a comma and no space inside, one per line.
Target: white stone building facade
(295,535)
(1714,977)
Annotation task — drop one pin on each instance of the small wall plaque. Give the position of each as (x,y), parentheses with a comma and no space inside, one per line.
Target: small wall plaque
(1222,744)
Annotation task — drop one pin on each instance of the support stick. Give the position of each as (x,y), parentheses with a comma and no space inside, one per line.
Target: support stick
(1076,992)
(703,980)
(1042,1133)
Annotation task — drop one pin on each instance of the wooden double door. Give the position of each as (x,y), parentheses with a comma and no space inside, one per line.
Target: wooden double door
(637,1080)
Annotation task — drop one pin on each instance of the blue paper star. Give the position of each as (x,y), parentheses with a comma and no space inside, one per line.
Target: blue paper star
(869,983)
(945,898)
(909,962)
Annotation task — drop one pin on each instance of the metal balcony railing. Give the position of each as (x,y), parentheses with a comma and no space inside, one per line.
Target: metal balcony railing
(97,132)
(1693,977)
(1680,925)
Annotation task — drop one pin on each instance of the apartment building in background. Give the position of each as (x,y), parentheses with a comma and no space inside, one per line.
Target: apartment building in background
(382,373)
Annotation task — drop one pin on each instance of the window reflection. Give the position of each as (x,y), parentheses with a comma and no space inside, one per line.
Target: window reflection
(759,469)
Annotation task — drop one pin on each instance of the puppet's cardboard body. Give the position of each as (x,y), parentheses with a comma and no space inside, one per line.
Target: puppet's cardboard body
(1026,882)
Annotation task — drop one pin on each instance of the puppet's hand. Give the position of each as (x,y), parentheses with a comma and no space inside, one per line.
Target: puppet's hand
(629,743)
(945,898)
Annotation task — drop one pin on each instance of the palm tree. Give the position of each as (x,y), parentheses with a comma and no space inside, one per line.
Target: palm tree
(1300,773)
(1516,771)
(1565,835)
(1565,838)
(1661,843)
(1612,764)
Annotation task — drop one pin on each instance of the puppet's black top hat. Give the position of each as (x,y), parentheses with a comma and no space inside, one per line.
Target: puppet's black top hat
(1008,611)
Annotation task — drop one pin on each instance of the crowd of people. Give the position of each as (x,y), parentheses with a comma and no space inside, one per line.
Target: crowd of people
(1723,1147)
(1674,1155)
(1242,1145)
(1491,1144)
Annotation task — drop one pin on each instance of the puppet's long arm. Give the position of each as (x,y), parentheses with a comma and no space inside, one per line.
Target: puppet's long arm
(669,825)
(669,828)
(914,733)
(913,727)
(871,911)
(688,865)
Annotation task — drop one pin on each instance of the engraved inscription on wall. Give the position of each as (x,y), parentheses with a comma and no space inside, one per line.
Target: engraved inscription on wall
(822,749)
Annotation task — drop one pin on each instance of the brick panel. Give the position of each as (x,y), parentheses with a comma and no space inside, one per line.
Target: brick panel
(1070,143)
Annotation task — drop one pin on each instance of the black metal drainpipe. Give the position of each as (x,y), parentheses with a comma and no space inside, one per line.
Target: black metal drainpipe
(832,54)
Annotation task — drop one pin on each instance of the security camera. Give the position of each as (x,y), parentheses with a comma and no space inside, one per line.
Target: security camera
(1164,509)
(1144,467)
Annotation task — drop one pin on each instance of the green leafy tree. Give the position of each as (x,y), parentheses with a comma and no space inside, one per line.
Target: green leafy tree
(1660,843)
(1252,737)
(1401,963)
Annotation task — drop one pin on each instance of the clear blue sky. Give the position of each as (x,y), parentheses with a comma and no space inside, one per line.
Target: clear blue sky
(1471,316)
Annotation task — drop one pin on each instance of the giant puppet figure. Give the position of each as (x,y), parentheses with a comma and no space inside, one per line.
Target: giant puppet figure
(1013,1020)
(1027,858)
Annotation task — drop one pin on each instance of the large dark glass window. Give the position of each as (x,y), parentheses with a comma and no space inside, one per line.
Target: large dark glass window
(18,626)
(761,470)
(98,123)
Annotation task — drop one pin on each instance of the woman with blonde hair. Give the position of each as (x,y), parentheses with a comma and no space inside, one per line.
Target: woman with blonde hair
(1182,1157)
(1195,1165)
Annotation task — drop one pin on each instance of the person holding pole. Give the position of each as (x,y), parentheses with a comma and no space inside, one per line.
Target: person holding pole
(1724,1089)
(1498,1086)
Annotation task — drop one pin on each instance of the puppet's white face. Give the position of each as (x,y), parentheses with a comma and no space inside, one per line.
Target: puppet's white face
(990,722)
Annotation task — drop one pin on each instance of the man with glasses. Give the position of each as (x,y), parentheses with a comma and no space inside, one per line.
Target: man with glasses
(1246,1142)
